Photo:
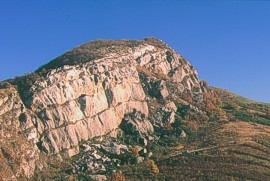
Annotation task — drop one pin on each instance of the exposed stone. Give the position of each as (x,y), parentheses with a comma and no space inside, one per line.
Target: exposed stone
(171,106)
(114,148)
(163,89)
(171,117)
(136,123)
(183,134)
(164,93)
(140,159)
(86,148)
(73,151)
(95,155)
(143,152)
(98,177)
(144,142)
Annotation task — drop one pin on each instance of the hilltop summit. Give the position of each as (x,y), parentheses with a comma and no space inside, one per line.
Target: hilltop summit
(98,49)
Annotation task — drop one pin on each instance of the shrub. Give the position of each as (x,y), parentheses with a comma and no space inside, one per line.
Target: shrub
(187,96)
(117,176)
(203,117)
(193,125)
(135,151)
(168,126)
(151,167)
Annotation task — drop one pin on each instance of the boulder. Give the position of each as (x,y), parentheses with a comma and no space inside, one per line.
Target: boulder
(98,177)
(114,148)
(163,89)
(183,134)
(171,106)
(136,123)
(164,93)
(140,159)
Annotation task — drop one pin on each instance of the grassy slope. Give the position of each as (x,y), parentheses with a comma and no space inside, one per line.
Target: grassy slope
(241,98)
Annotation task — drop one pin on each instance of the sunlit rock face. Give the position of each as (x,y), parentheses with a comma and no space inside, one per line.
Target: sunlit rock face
(86,93)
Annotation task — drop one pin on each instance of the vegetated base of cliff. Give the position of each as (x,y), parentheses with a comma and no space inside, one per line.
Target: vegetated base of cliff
(235,147)
(216,149)
(219,151)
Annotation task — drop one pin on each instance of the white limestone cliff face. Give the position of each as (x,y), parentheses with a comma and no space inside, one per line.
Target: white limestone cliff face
(78,102)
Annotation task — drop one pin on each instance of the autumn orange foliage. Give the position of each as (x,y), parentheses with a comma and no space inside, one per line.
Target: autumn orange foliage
(117,176)
(151,167)
(213,103)
(135,151)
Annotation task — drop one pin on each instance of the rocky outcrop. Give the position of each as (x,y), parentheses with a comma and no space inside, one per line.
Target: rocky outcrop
(19,156)
(137,124)
(85,93)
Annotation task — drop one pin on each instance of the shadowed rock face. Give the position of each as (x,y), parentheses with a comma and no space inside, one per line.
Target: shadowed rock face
(85,93)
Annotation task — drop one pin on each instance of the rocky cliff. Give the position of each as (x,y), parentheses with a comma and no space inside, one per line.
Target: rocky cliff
(85,93)
(111,109)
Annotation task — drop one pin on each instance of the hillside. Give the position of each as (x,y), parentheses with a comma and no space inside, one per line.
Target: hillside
(133,109)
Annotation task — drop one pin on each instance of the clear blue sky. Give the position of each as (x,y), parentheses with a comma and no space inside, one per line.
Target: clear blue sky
(227,42)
